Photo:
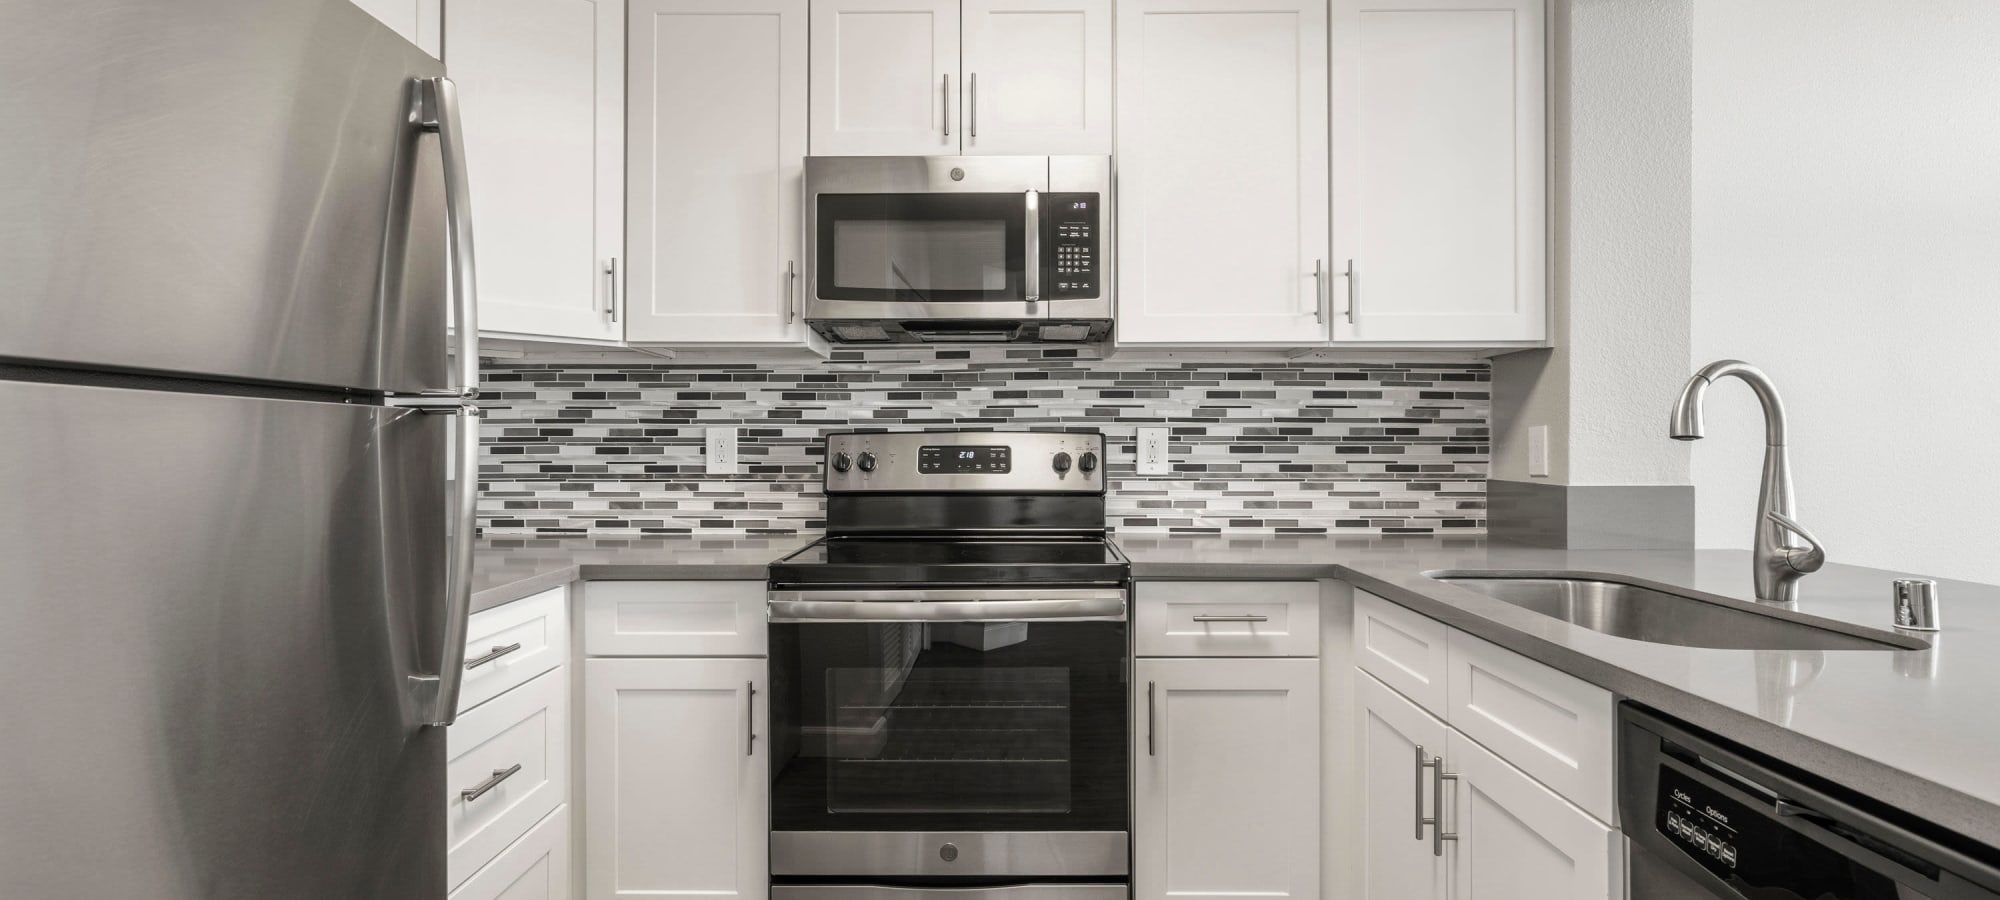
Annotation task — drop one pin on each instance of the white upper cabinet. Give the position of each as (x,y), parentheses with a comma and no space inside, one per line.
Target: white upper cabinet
(885,78)
(717,150)
(542,87)
(1222,171)
(419,21)
(1439,170)
(1037,77)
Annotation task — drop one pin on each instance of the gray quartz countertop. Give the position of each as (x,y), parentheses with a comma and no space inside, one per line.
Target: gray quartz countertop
(1917,729)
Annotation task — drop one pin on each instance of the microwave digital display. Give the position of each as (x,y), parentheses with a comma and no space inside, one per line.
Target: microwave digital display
(991,460)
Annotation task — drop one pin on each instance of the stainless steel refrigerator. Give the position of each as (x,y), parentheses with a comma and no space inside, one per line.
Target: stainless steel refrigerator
(233,569)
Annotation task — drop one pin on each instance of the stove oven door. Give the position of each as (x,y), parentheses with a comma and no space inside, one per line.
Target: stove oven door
(949,733)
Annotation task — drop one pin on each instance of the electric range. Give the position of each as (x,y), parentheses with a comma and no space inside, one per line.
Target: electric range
(949,674)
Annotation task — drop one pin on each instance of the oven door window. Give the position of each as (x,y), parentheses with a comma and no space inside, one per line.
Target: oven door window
(921,248)
(977,726)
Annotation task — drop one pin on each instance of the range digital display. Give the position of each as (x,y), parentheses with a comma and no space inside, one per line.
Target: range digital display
(960,460)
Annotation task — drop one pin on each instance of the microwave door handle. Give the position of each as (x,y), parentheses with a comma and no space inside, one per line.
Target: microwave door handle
(1033,262)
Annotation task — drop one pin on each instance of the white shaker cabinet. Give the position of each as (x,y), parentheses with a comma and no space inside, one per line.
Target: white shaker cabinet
(1222,172)
(676,778)
(542,92)
(717,145)
(1226,779)
(885,78)
(1518,840)
(1398,852)
(1037,77)
(419,21)
(1439,170)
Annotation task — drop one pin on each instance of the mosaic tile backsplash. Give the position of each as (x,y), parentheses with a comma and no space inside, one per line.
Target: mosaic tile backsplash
(1278,448)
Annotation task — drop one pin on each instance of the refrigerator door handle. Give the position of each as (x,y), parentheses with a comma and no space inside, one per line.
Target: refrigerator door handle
(437,111)
(437,695)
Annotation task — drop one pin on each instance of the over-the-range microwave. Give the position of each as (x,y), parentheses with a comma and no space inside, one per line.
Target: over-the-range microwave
(921,249)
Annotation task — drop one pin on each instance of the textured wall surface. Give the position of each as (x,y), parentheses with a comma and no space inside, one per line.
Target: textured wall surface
(1258,448)
(1847,240)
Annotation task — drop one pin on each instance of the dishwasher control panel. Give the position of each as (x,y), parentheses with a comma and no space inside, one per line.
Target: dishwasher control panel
(1700,821)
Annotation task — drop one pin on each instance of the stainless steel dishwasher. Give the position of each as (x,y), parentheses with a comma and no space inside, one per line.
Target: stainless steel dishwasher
(1705,819)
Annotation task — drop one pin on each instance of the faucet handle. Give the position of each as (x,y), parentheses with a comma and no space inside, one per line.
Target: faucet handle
(1803,560)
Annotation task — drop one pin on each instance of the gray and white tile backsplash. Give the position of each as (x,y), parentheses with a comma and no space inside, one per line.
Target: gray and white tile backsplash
(1298,447)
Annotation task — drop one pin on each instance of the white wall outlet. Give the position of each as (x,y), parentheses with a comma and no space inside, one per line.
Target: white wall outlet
(722,450)
(1538,451)
(1153,452)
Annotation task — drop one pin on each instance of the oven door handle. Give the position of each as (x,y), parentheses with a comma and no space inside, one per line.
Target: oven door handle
(947,606)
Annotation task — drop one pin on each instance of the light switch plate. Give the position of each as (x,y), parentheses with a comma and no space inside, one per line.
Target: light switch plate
(1153,452)
(721,454)
(1538,451)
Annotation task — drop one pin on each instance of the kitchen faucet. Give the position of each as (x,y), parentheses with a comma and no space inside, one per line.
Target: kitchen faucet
(1777,563)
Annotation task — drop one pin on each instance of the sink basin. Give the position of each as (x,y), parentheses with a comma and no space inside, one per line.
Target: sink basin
(1640,612)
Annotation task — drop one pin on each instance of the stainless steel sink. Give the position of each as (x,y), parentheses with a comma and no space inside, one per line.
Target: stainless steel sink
(1640,612)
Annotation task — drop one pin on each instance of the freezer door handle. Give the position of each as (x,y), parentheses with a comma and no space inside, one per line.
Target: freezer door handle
(437,111)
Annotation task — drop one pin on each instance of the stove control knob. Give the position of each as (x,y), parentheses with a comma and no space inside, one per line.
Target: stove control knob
(1062,462)
(866,462)
(1087,462)
(841,462)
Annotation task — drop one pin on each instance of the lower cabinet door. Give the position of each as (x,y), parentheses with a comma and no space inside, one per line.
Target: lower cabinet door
(536,867)
(1400,855)
(676,778)
(1226,779)
(1518,840)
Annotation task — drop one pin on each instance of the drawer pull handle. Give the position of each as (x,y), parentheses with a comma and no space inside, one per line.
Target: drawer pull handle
(491,655)
(479,790)
(1248,618)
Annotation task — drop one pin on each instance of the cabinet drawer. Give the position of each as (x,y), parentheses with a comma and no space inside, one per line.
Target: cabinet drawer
(1549,724)
(1227,618)
(1404,649)
(515,750)
(674,618)
(535,868)
(507,645)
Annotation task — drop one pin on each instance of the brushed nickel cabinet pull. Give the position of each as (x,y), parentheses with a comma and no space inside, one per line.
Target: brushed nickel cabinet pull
(479,790)
(1252,617)
(750,718)
(491,655)
(945,92)
(1149,720)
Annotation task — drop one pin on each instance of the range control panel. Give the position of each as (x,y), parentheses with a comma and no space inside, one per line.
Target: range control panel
(965,461)
(1072,239)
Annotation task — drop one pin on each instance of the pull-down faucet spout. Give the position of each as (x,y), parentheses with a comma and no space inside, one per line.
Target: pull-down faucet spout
(1777,561)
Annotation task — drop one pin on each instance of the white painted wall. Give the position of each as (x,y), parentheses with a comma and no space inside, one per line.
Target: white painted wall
(1847,240)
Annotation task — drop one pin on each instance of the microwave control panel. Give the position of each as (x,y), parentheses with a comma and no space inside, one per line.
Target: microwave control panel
(1072,223)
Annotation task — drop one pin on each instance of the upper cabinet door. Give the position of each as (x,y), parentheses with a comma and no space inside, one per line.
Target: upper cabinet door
(542,87)
(717,149)
(1037,77)
(418,21)
(1222,171)
(1439,170)
(885,78)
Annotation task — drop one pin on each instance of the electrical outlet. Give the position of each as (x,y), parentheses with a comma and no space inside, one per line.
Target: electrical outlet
(1153,452)
(1538,451)
(722,450)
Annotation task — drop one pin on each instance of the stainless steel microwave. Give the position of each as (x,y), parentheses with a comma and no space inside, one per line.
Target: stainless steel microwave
(922,249)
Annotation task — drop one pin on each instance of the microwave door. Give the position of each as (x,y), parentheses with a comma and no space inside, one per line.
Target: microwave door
(925,255)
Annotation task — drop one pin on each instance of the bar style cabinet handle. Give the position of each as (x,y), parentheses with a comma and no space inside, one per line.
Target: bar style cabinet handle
(750,718)
(972,106)
(1353,291)
(1436,819)
(479,790)
(945,93)
(791,291)
(491,655)
(1419,817)
(611,289)
(1242,618)
(1319,291)
(1150,749)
